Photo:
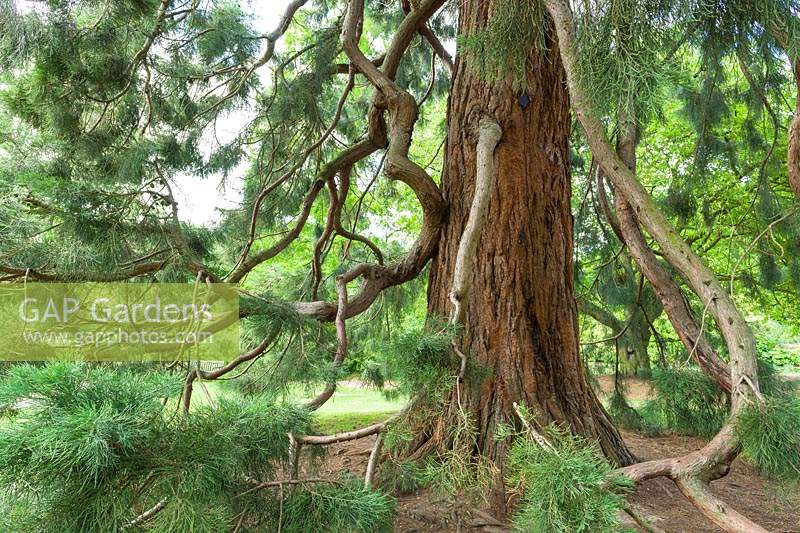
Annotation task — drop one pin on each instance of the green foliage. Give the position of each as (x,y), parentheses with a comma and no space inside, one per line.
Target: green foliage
(770,436)
(687,402)
(417,362)
(621,64)
(401,477)
(90,447)
(770,342)
(569,488)
(455,470)
(337,509)
(772,382)
(627,417)
(505,47)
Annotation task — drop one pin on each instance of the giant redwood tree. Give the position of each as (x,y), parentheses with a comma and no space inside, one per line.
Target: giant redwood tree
(356,125)
(521,318)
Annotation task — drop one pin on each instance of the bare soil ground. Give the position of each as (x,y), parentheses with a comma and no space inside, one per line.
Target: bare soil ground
(773,505)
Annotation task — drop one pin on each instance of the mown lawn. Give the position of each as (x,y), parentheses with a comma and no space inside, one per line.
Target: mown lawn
(351,407)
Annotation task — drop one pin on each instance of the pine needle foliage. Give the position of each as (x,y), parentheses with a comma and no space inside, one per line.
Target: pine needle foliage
(569,488)
(417,362)
(621,44)
(455,470)
(687,402)
(401,477)
(770,436)
(339,509)
(89,448)
(502,50)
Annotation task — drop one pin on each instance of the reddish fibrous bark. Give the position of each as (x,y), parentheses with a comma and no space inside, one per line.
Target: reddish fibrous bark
(793,158)
(522,318)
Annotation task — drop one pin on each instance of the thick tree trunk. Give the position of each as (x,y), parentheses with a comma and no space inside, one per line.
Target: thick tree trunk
(521,319)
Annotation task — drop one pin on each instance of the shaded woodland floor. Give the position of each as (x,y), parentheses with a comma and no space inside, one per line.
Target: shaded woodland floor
(773,505)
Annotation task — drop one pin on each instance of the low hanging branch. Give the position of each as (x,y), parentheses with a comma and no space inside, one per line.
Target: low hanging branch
(341,336)
(403,112)
(628,231)
(691,472)
(736,332)
(192,376)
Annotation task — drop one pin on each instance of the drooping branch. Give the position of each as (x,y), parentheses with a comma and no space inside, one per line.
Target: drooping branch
(489,134)
(341,337)
(713,460)
(264,255)
(322,241)
(215,374)
(341,160)
(141,55)
(277,33)
(333,226)
(344,189)
(403,114)
(436,45)
(675,306)
(735,330)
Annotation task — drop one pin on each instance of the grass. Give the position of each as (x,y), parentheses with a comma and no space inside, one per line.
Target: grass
(351,407)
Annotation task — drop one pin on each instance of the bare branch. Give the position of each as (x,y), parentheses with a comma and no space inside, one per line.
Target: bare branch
(147,515)
(489,134)
(341,336)
(198,373)
(372,464)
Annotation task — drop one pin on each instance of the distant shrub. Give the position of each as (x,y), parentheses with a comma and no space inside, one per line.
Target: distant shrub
(777,354)
(770,342)
(626,417)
